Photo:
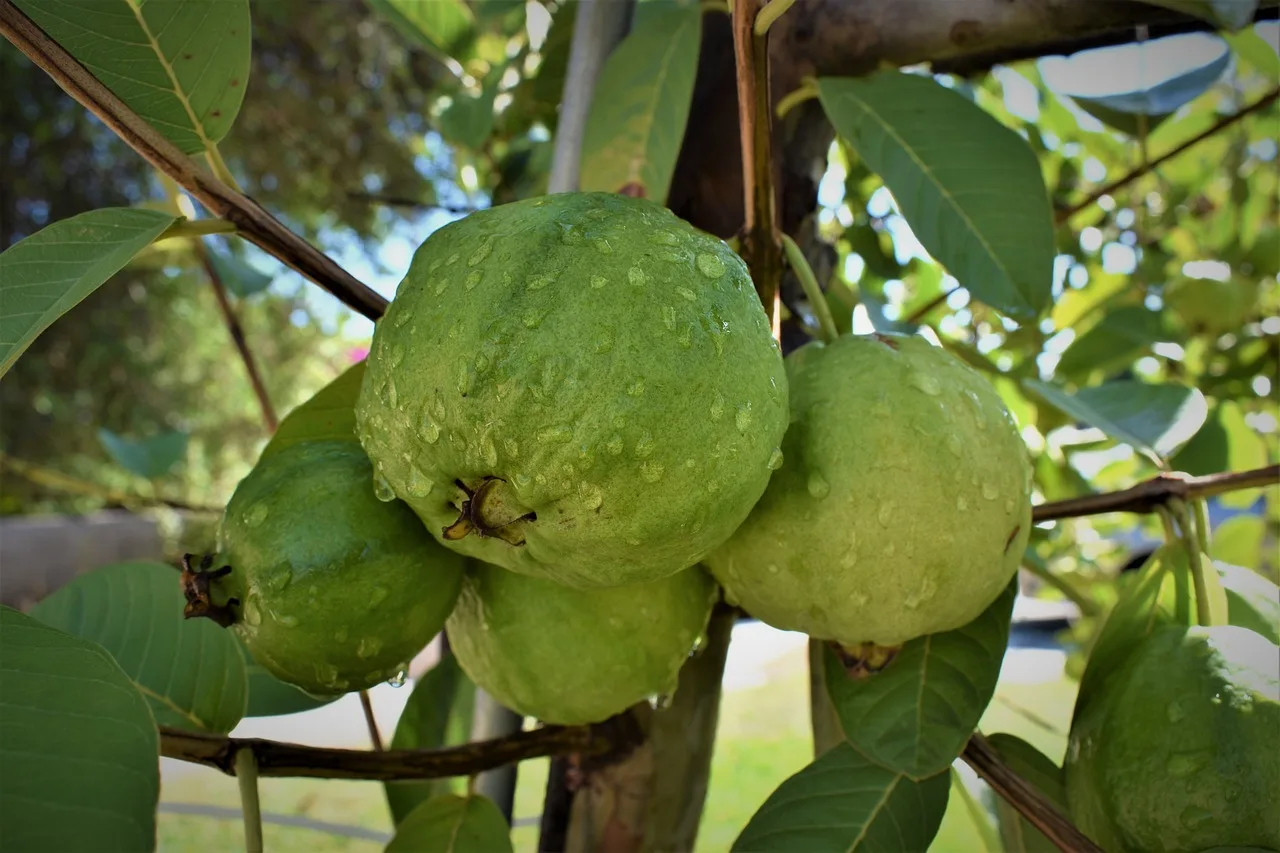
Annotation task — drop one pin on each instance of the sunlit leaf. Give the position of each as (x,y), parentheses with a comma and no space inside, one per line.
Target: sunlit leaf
(439,26)
(453,824)
(1115,341)
(148,457)
(50,272)
(1253,602)
(329,415)
(1256,51)
(1226,442)
(1239,540)
(1155,418)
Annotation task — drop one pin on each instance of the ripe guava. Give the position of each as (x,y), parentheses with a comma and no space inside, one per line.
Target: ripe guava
(1180,747)
(336,589)
(579,387)
(902,506)
(574,656)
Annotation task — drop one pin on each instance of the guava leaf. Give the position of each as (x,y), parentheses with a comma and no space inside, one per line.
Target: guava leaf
(1228,14)
(1253,602)
(916,715)
(980,208)
(453,824)
(238,275)
(182,65)
(1118,338)
(641,103)
(1256,51)
(1155,418)
(1016,832)
(329,415)
(47,274)
(79,748)
(190,670)
(437,714)
(1226,442)
(967,821)
(271,697)
(149,457)
(468,120)
(441,27)
(844,802)
(1239,540)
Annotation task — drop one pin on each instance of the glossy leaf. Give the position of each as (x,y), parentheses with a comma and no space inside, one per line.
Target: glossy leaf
(50,272)
(1253,602)
(150,457)
(641,103)
(182,65)
(190,670)
(453,824)
(439,26)
(842,803)
(1228,14)
(1016,832)
(970,188)
(437,714)
(916,715)
(1115,341)
(238,275)
(78,746)
(329,415)
(1155,418)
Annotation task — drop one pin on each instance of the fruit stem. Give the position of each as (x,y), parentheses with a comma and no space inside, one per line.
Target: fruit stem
(247,777)
(804,272)
(367,706)
(1195,559)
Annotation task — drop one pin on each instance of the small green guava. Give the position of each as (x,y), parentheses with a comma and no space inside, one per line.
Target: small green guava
(1180,747)
(336,589)
(902,507)
(575,656)
(579,387)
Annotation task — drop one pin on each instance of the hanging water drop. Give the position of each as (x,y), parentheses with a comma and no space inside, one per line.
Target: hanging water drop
(382,489)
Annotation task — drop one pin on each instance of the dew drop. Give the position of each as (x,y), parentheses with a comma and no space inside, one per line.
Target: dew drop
(773,568)
(537,281)
(252,613)
(717,407)
(688,294)
(1008,506)
(402,317)
(1175,712)
(615,622)
(392,395)
(954,445)
(614,445)
(850,559)
(398,680)
(664,238)
(885,513)
(256,515)
(636,276)
(382,489)
(818,486)
(431,432)
(418,485)
(368,647)
(532,318)
(452,259)
(598,281)
(660,702)
(644,447)
(281,579)
(685,338)
(776,459)
(651,472)
(377,595)
(742,418)
(709,265)
(556,434)
(478,256)
(669,317)
(890,549)
(602,246)
(604,342)
(570,235)
(990,491)
(288,621)
(590,495)
(961,503)
(1183,764)
(636,388)
(473,279)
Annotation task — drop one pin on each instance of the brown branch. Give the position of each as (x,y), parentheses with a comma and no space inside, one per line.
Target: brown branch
(1029,802)
(1148,166)
(250,219)
(1150,494)
(290,759)
(366,705)
(232,323)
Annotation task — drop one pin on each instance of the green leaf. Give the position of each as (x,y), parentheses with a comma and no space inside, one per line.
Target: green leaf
(149,457)
(1253,602)
(190,670)
(270,697)
(181,65)
(641,103)
(844,802)
(969,187)
(1256,51)
(437,714)
(328,416)
(453,824)
(1017,833)
(1239,540)
(78,746)
(50,272)
(1115,341)
(916,715)
(238,275)
(1228,14)
(468,120)
(1225,443)
(442,27)
(1154,418)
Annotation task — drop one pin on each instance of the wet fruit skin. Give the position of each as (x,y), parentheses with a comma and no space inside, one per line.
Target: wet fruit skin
(902,507)
(574,656)
(605,368)
(1180,748)
(337,589)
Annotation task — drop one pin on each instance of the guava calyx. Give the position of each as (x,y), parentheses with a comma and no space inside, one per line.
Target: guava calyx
(195,587)
(488,510)
(864,660)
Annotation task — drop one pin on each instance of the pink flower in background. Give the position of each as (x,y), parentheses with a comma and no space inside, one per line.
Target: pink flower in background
(357,354)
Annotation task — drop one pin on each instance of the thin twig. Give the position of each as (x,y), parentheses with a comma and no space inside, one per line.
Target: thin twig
(58,481)
(1029,802)
(1150,494)
(250,806)
(290,759)
(250,219)
(772,11)
(236,331)
(809,283)
(1147,166)
(366,704)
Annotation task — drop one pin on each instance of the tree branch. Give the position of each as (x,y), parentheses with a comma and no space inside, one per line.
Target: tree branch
(1150,494)
(1030,803)
(1150,165)
(250,219)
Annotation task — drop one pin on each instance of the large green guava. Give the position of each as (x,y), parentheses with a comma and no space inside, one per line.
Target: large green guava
(336,589)
(574,656)
(902,507)
(579,387)
(1180,747)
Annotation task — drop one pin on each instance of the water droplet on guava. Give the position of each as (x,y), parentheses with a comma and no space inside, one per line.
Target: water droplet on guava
(397,356)
(1008,506)
(636,276)
(478,256)
(402,317)
(664,238)
(340,636)
(709,265)
(773,568)
(452,259)
(615,622)
(742,418)
(885,513)
(418,485)
(398,680)
(441,285)
(256,515)
(1194,817)
(377,595)
(926,383)
(636,388)
(961,503)
(598,281)
(651,472)
(1183,764)
(602,246)
(669,317)
(990,491)
(532,318)
(850,559)
(288,621)
(644,447)
(280,579)
(431,431)
(537,281)
(252,613)
(717,407)
(522,481)
(604,342)
(776,459)
(1175,712)
(590,495)
(688,294)
(954,445)
(556,434)
(614,445)
(818,486)
(382,489)
(368,647)
(632,541)
(473,278)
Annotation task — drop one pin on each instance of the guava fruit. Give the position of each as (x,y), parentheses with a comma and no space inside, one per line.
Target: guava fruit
(575,656)
(579,387)
(1180,747)
(902,506)
(333,589)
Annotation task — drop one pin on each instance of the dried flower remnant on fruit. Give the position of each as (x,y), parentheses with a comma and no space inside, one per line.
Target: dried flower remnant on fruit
(865,659)
(195,588)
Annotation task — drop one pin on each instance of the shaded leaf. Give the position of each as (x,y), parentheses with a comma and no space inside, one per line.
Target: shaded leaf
(329,415)
(453,824)
(1228,14)
(238,275)
(182,65)
(916,715)
(1016,832)
(979,207)
(641,102)
(1115,341)
(866,242)
(149,457)
(1225,443)
(437,714)
(468,120)
(78,746)
(843,802)
(441,27)
(190,670)
(50,272)
(1155,418)
(1238,540)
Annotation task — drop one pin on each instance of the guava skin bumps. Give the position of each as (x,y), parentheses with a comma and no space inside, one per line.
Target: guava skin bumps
(337,589)
(575,656)
(903,503)
(579,387)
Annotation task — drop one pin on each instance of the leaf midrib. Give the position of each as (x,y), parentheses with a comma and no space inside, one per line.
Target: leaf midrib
(196,125)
